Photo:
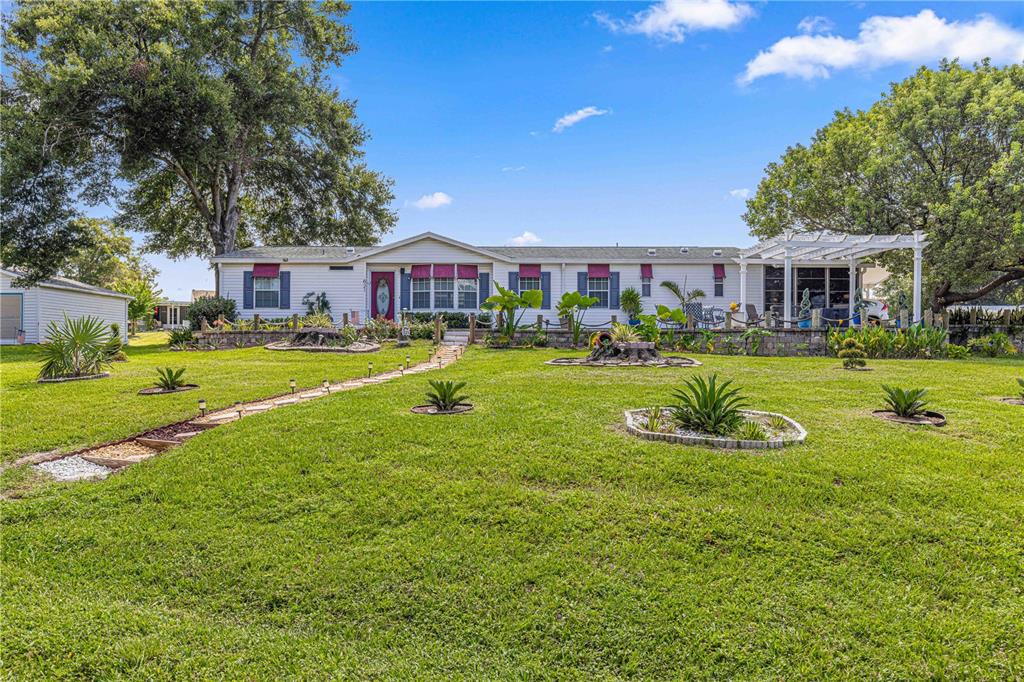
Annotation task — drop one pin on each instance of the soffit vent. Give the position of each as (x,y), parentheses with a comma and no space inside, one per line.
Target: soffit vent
(717,252)
(685,249)
(652,252)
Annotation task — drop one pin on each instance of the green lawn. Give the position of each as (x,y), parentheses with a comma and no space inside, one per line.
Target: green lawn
(40,417)
(533,538)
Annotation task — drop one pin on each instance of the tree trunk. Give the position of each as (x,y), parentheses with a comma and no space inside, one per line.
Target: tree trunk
(946,297)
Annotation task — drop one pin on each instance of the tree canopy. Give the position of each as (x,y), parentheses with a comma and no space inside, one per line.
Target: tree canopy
(212,124)
(942,152)
(110,258)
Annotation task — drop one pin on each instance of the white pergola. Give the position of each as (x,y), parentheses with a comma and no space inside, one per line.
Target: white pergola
(827,248)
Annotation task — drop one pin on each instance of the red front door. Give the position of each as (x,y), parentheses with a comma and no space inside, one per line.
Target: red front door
(382,294)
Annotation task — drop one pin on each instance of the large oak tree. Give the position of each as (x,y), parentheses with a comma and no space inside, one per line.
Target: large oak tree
(211,123)
(942,152)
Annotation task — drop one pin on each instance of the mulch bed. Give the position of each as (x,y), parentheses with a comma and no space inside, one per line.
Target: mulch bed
(431,410)
(156,390)
(927,419)
(170,431)
(84,377)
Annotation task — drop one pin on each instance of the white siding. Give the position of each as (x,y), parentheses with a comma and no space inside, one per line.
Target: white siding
(45,304)
(344,288)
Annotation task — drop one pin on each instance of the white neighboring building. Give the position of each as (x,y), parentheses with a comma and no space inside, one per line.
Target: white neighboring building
(430,272)
(25,314)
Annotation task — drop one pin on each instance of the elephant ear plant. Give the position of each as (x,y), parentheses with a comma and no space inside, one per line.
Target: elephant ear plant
(506,303)
(444,395)
(706,405)
(572,307)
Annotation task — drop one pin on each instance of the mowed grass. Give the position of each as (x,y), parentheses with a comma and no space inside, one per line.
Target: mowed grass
(41,417)
(534,538)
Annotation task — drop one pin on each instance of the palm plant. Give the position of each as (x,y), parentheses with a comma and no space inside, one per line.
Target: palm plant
(905,403)
(630,302)
(681,293)
(444,395)
(707,406)
(169,379)
(76,348)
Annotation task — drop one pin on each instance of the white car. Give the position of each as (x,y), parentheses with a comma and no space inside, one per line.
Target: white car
(876,311)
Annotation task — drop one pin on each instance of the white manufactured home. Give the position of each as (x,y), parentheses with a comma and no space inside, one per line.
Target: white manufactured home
(430,272)
(25,313)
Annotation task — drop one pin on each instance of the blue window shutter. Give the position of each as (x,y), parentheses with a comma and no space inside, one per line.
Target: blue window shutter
(285,301)
(581,282)
(613,290)
(545,287)
(485,286)
(406,292)
(247,289)
(513,281)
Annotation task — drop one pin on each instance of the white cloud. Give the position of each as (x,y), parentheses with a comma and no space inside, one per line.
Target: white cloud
(435,200)
(671,20)
(607,48)
(575,117)
(816,25)
(513,169)
(882,40)
(742,193)
(524,239)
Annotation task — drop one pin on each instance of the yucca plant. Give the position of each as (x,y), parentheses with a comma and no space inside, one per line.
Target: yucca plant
(623,333)
(320,320)
(708,406)
(905,402)
(76,348)
(749,430)
(444,395)
(169,378)
(653,419)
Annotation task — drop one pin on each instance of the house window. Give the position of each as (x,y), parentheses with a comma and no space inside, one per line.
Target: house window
(421,292)
(268,291)
(598,288)
(812,280)
(467,293)
(838,287)
(719,287)
(645,286)
(527,283)
(444,292)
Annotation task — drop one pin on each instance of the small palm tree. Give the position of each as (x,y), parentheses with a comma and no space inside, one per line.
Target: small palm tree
(444,395)
(77,347)
(169,379)
(905,403)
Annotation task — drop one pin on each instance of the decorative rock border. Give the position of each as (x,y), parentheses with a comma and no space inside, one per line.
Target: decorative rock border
(357,347)
(461,408)
(634,419)
(156,390)
(927,418)
(665,361)
(1011,401)
(84,377)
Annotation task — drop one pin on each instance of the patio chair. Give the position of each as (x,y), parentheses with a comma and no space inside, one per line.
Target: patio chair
(753,319)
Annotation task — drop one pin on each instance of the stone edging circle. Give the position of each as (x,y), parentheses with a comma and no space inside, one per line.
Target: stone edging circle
(84,377)
(928,418)
(1011,401)
(371,348)
(633,418)
(461,408)
(156,390)
(584,362)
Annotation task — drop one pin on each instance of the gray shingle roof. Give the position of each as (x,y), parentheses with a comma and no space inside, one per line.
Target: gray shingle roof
(592,254)
(339,252)
(65,283)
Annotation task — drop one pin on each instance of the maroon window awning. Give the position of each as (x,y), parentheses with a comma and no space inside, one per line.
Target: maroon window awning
(529,270)
(719,270)
(421,272)
(444,270)
(647,271)
(599,270)
(467,272)
(266,270)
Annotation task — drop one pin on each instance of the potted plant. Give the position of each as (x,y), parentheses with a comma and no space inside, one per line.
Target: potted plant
(630,303)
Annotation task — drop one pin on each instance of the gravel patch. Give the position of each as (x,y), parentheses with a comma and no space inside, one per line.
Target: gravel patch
(73,468)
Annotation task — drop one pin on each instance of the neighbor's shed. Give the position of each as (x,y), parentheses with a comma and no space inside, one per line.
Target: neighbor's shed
(25,313)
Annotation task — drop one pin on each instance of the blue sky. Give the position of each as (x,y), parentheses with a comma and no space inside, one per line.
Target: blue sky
(463,100)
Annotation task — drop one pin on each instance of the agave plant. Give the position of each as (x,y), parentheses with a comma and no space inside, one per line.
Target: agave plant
(623,333)
(169,378)
(750,430)
(708,406)
(444,395)
(906,403)
(77,348)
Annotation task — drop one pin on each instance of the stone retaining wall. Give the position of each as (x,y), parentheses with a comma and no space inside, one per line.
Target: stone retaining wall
(243,339)
(782,342)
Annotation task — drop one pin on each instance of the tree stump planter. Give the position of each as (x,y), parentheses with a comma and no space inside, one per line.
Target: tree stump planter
(156,390)
(84,377)
(635,420)
(356,347)
(461,408)
(635,354)
(928,418)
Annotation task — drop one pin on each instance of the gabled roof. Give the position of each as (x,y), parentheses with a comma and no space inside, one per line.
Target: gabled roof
(70,285)
(483,251)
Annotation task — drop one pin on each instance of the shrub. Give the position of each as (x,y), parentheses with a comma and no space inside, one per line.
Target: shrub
(905,402)
(76,348)
(169,379)
(913,342)
(750,430)
(539,340)
(318,320)
(707,406)
(210,309)
(381,329)
(623,333)
(754,336)
(181,337)
(422,330)
(444,395)
(993,345)
(630,303)
(852,353)
(957,352)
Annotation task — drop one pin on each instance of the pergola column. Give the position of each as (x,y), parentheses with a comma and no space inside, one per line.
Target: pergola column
(743,287)
(918,252)
(853,288)
(787,284)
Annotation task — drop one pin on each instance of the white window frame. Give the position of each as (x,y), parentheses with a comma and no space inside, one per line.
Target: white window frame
(275,289)
(467,287)
(645,286)
(444,286)
(523,280)
(602,293)
(419,288)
